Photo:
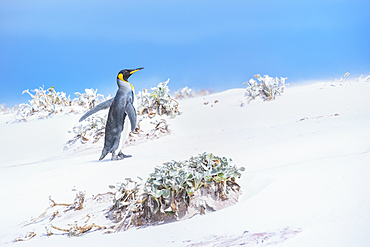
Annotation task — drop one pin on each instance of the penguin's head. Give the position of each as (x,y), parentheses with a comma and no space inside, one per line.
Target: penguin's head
(124,74)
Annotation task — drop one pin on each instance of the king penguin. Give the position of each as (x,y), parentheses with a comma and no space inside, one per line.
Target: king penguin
(117,126)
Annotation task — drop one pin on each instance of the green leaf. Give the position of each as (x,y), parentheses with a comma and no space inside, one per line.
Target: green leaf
(190,191)
(214,171)
(157,193)
(166,193)
(156,182)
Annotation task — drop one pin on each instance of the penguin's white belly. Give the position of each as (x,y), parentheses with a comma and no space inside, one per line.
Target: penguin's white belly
(125,133)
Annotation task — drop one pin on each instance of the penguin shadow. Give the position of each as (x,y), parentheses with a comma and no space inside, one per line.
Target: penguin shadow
(105,160)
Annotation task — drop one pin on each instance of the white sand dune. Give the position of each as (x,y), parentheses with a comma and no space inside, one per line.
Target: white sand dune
(306,154)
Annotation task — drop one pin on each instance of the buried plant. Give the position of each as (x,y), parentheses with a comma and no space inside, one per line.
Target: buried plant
(46,103)
(176,190)
(158,101)
(88,131)
(5,110)
(184,93)
(155,130)
(265,87)
(43,104)
(341,81)
(59,210)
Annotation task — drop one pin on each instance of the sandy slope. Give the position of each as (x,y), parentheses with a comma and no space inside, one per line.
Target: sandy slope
(306,154)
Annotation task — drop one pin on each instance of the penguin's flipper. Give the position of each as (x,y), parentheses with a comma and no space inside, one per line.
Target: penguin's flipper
(101,106)
(131,112)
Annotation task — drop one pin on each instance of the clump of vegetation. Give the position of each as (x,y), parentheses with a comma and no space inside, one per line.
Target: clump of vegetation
(43,104)
(89,99)
(46,103)
(204,92)
(265,87)
(342,80)
(90,130)
(77,205)
(169,191)
(157,129)
(157,102)
(360,79)
(184,93)
(78,227)
(4,109)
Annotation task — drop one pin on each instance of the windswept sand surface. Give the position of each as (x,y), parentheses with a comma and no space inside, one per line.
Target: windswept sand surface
(307,178)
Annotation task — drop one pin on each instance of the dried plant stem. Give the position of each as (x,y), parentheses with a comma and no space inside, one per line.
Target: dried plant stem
(80,196)
(108,193)
(128,210)
(60,229)
(80,229)
(122,221)
(54,204)
(41,216)
(30,235)
(88,218)
(89,227)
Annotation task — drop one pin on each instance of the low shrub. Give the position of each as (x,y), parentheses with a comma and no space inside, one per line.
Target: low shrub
(168,192)
(159,101)
(4,109)
(46,103)
(265,87)
(184,93)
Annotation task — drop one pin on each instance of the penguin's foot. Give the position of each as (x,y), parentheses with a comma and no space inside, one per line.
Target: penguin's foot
(114,157)
(122,156)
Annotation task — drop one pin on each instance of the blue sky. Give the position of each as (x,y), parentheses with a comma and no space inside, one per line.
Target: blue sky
(73,45)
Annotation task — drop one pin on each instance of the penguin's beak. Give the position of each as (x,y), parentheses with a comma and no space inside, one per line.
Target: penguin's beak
(135,70)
